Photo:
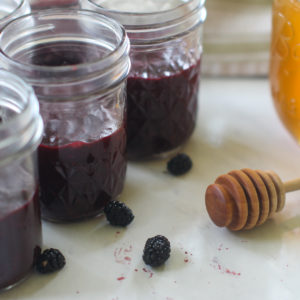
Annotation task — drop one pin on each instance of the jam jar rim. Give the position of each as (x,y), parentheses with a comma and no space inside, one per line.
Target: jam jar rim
(27,121)
(198,4)
(118,51)
(167,25)
(7,18)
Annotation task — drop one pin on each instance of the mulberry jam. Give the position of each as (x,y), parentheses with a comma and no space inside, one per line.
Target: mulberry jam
(83,176)
(22,241)
(161,111)
(20,221)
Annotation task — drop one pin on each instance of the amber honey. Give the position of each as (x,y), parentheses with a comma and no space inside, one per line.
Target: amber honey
(285,63)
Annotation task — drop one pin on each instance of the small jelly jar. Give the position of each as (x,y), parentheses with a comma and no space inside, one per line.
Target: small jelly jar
(77,62)
(12,9)
(163,84)
(21,129)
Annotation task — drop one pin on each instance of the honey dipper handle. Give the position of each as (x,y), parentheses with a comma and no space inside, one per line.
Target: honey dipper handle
(292,185)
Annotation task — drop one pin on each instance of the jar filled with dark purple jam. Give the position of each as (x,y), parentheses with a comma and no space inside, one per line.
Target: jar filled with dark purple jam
(77,62)
(21,129)
(12,9)
(163,84)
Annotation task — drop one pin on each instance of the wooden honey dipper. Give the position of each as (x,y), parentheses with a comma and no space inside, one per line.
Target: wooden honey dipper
(244,199)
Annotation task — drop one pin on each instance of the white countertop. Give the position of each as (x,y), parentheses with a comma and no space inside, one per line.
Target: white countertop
(237,128)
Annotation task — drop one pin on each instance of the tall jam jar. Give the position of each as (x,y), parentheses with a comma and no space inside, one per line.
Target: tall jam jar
(77,62)
(12,9)
(21,129)
(163,83)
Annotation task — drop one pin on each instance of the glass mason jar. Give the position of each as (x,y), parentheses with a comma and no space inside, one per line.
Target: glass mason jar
(12,9)
(77,62)
(285,63)
(20,224)
(163,84)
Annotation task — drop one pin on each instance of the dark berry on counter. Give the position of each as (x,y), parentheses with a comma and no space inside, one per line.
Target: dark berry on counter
(118,214)
(157,251)
(179,165)
(50,260)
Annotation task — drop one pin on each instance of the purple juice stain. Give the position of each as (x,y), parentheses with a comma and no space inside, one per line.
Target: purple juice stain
(20,237)
(161,112)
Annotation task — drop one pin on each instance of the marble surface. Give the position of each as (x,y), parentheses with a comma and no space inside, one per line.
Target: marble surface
(237,128)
